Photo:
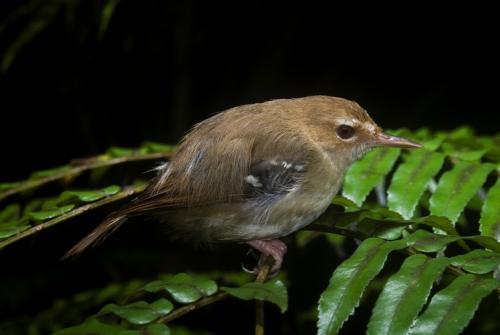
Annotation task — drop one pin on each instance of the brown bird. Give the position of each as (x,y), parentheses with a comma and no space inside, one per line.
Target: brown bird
(255,173)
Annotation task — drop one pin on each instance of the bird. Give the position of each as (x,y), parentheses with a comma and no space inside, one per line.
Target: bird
(255,173)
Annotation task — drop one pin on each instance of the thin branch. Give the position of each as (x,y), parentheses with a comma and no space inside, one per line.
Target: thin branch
(127,192)
(192,307)
(83,165)
(265,266)
(324,228)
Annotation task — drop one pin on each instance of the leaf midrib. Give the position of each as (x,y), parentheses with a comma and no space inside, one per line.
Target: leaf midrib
(416,271)
(418,172)
(375,170)
(469,170)
(420,168)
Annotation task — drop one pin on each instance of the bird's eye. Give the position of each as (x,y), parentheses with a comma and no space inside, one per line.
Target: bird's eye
(345,132)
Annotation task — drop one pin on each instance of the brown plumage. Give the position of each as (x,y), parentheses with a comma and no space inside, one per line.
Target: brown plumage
(255,173)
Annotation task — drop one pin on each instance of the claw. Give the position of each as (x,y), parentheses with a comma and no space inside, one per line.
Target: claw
(250,252)
(245,269)
(274,248)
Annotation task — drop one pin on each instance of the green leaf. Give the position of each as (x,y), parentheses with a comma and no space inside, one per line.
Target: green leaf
(486,242)
(452,308)
(119,152)
(303,237)
(106,15)
(52,213)
(158,329)
(494,152)
(437,222)
(184,288)
(8,186)
(457,187)
(465,145)
(335,239)
(154,147)
(424,241)
(344,202)
(50,172)
(430,141)
(151,329)
(388,230)
(10,213)
(140,312)
(490,213)
(411,179)
(92,326)
(349,281)
(466,154)
(404,294)
(441,224)
(367,173)
(32,206)
(273,291)
(12,228)
(478,261)
(465,133)
(89,196)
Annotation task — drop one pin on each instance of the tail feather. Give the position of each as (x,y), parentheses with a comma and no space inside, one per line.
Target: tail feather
(98,235)
(147,202)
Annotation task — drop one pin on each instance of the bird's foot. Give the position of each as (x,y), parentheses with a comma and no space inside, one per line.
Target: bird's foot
(274,248)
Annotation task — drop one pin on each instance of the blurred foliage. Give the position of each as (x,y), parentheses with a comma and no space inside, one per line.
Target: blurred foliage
(141,317)
(35,16)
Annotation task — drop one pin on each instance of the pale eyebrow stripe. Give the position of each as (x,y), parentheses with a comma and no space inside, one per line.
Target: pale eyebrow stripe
(350,123)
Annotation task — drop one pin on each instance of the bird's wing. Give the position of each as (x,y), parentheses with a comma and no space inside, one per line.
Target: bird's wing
(272,178)
(221,165)
(228,176)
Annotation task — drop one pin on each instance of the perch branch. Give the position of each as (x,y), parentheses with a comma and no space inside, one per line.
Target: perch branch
(265,266)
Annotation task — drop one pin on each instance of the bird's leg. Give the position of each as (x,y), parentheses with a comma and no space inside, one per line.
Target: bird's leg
(274,248)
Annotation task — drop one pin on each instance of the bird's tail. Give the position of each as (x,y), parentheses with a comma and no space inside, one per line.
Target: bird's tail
(108,226)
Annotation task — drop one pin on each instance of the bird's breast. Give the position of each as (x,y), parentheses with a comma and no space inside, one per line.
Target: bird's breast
(300,208)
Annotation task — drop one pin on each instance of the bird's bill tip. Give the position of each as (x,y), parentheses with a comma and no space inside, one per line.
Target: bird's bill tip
(394,141)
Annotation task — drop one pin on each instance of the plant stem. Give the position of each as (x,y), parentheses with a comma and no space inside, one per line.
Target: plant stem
(192,307)
(266,263)
(127,192)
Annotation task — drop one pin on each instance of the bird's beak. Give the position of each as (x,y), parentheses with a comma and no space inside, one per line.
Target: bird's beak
(384,140)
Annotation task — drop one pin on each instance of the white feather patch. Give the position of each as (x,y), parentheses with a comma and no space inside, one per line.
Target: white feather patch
(252,180)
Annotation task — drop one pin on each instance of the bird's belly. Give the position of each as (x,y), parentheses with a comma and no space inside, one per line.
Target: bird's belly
(309,209)
(291,213)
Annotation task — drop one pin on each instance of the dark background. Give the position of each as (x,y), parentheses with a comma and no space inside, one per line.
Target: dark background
(164,65)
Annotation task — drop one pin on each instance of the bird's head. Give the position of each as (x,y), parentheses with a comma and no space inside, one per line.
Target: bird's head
(345,130)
